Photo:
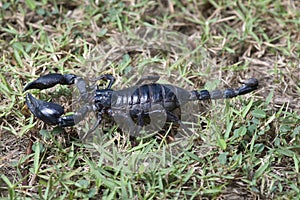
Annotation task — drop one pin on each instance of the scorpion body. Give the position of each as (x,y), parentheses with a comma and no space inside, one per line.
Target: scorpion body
(134,103)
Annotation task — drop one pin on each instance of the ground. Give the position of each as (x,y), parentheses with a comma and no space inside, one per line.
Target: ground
(247,147)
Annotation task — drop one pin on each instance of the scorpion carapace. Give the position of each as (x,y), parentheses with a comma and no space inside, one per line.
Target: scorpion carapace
(136,102)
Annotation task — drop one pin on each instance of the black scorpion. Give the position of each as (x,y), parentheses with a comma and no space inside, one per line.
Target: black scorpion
(137,102)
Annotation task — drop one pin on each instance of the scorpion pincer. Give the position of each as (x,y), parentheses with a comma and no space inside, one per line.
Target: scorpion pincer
(138,101)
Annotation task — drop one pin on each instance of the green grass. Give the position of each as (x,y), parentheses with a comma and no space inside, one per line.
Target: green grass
(249,146)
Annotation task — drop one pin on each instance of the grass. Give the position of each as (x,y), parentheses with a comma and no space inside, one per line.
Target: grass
(248,147)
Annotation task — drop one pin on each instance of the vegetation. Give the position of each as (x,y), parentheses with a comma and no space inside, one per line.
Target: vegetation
(247,147)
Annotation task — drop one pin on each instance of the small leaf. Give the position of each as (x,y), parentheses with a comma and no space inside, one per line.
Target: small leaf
(269,97)
(45,133)
(212,191)
(259,114)
(284,128)
(18,57)
(223,158)
(31,4)
(228,130)
(102,32)
(285,152)
(296,131)
(296,161)
(261,170)
(36,161)
(247,108)
(11,188)
(7,181)
(240,131)
(222,144)
(5,6)
(57,130)
(193,156)
(49,187)
(259,147)
(83,183)
(41,11)
(92,192)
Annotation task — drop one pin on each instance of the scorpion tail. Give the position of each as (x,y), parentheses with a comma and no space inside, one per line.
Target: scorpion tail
(247,87)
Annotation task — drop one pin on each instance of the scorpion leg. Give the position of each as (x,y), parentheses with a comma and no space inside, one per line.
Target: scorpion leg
(140,118)
(173,118)
(99,119)
(71,120)
(108,77)
(248,86)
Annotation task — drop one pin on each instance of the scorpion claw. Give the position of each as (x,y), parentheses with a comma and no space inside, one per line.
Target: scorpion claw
(45,111)
(50,80)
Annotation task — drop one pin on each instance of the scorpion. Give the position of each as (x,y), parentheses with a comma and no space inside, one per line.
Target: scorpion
(137,102)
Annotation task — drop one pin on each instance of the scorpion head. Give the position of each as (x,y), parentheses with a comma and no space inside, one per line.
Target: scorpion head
(103,98)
